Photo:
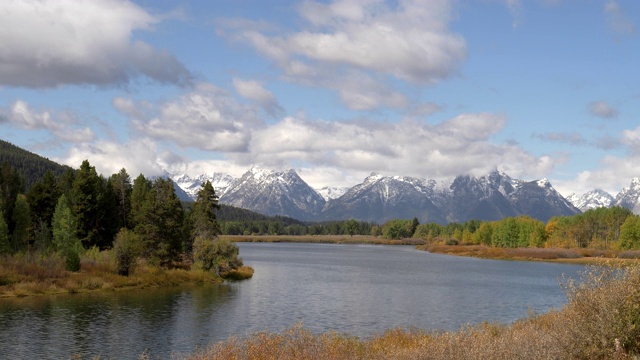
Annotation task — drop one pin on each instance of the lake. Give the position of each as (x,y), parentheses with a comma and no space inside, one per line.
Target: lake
(356,289)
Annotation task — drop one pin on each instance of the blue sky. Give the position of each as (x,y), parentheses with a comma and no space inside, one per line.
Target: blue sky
(333,89)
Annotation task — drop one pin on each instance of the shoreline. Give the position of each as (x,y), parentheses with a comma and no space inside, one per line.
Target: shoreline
(28,277)
(323,239)
(552,255)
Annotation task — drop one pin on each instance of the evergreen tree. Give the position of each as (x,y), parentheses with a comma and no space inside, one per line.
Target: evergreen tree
(43,197)
(22,221)
(106,226)
(10,186)
(203,216)
(159,220)
(121,183)
(65,237)
(5,244)
(84,197)
(141,187)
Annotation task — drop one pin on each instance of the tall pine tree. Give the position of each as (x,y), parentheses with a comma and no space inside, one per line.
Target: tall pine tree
(22,221)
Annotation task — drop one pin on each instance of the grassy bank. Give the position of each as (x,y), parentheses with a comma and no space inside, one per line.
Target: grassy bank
(575,256)
(600,321)
(30,274)
(322,239)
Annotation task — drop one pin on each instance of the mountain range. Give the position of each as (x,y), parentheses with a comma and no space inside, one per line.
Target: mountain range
(381,198)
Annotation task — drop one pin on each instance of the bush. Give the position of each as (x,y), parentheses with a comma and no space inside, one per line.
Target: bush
(127,247)
(218,255)
(72,261)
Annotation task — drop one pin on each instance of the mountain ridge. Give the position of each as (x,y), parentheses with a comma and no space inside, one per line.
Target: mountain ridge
(381,198)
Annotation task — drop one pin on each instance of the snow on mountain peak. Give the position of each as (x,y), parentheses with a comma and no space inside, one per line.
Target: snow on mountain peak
(373,177)
(544,183)
(591,200)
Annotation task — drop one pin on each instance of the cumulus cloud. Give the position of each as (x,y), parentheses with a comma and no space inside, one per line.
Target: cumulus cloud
(613,172)
(254,90)
(48,43)
(140,156)
(61,125)
(350,45)
(617,20)
(206,118)
(460,145)
(602,109)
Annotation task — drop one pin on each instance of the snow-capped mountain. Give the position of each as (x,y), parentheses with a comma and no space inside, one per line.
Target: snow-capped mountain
(485,198)
(219,181)
(629,197)
(330,193)
(274,193)
(591,200)
(381,198)
(541,201)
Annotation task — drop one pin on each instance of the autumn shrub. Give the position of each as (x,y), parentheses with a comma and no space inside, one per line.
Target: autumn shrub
(241,273)
(127,247)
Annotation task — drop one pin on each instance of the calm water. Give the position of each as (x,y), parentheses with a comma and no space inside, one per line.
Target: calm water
(358,289)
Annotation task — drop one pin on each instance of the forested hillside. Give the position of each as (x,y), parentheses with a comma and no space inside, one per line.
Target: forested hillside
(31,167)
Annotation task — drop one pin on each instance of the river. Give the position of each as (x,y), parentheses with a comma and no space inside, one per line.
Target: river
(356,289)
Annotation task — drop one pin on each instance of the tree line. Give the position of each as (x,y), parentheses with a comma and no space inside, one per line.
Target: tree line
(601,228)
(80,209)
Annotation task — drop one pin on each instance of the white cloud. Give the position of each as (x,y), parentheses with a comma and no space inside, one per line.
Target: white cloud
(355,46)
(457,146)
(139,156)
(206,118)
(602,110)
(617,20)
(254,90)
(48,43)
(60,125)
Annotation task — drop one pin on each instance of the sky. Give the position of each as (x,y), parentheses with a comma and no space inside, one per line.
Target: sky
(333,89)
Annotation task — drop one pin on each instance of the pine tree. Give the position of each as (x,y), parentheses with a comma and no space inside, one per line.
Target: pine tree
(203,216)
(65,237)
(158,220)
(22,221)
(43,197)
(84,197)
(10,186)
(5,244)
(121,183)
(211,252)
(141,187)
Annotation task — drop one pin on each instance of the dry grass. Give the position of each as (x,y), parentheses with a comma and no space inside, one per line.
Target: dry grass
(574,256)
(29,274)
(323,239)
(601,321)
(242,273)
